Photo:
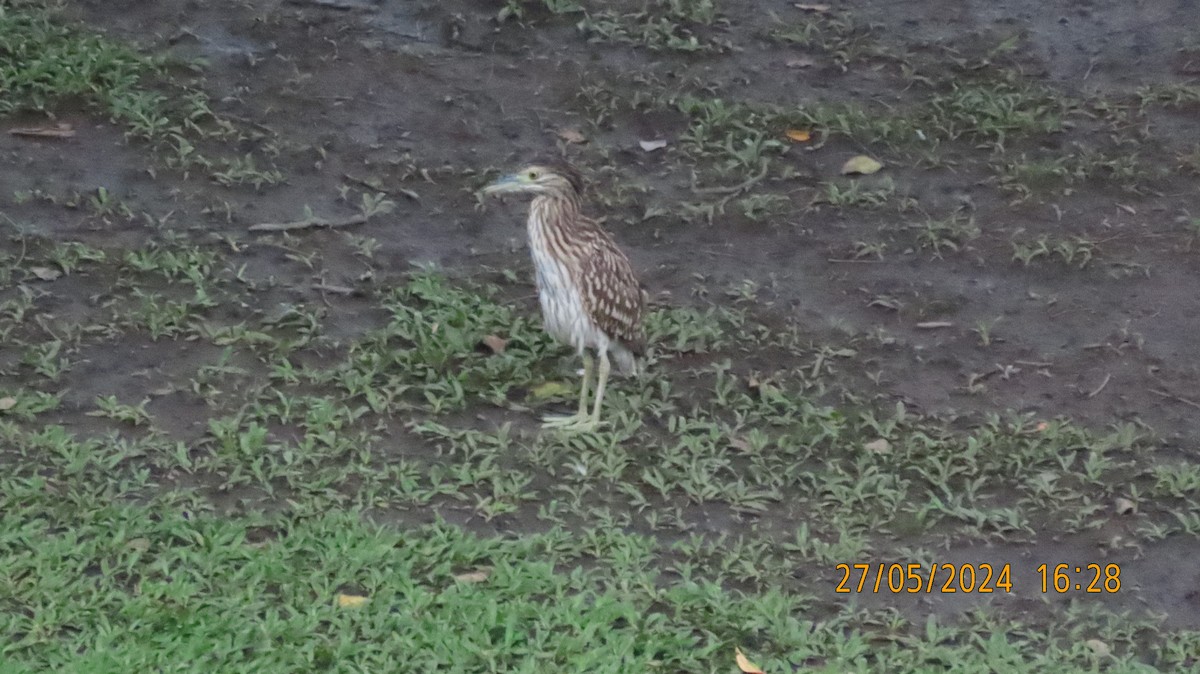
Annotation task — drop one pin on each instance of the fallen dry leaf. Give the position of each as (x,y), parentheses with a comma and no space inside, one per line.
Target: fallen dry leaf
(62,130)
(45,273)
(798,135)
(762,387)
(138,544)
(572,136)
(549,389)
(1124,506)
(802,62)
(1098,647)
(739,443)
(474,576)
(744,663)
(878,446)
(813,8)
(7,403)
(861,164)
(494,344)
(351,600)
(652,145)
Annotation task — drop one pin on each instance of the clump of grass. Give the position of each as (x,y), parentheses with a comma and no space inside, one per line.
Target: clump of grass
(835,35)
(991,111)
(949,233)
(1074,251)
(46,63)
(1025,177)
(860,194)
(737,137)
(1173,95)
(662,25)
(517,8)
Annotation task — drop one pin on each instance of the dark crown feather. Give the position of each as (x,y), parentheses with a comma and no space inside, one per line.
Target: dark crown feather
(564,169)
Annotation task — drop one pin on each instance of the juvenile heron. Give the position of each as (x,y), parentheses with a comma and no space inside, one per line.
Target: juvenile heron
(590,298)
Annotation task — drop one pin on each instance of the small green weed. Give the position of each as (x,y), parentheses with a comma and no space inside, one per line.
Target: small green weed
(662,25)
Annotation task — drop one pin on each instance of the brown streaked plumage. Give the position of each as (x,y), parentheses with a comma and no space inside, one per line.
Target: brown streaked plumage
(590,297)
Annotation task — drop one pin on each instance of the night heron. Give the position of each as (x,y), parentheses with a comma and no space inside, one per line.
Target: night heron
(590,298)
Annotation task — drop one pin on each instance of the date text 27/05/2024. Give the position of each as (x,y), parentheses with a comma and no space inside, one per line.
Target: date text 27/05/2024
(981,578)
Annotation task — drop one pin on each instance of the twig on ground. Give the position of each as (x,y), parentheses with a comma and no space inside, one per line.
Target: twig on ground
(732,190)
(403,191)
(308,223)
(337,290)
(1172,396)
(1095,392)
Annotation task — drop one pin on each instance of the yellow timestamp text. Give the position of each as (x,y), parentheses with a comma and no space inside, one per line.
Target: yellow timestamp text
(1090,578)
(944,578)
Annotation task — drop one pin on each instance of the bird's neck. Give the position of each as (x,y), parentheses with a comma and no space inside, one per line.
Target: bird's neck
(554,210)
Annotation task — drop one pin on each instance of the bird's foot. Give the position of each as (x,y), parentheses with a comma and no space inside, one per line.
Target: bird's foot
(574,423)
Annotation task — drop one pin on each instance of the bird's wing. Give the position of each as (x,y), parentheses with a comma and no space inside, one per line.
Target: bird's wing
(611,293)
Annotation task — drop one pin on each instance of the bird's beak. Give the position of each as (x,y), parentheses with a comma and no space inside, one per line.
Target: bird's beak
(506,184)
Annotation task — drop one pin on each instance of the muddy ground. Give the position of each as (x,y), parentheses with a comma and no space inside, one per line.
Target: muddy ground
(1089,172)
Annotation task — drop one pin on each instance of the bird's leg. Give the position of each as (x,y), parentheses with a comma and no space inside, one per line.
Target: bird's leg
(555,421)
(583,389)
(601,382)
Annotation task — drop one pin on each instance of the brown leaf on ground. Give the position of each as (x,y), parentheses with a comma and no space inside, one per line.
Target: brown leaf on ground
(351,600)
(477,576)
(494,344)
(740,444)
(861,164)
(744,663)
(572,136)
(549,389)
(878,446)
(45,273)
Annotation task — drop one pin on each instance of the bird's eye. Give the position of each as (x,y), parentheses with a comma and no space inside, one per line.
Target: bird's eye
(533,175)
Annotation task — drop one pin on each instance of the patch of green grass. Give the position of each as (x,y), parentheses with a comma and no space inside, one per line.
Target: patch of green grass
(736,136)
(949,233)
(990,111)
(860,194)
(46,63)
(303,440)
(1074,251)
(517,8)
(661,25)
(119,586)
(1174,95)
(834,35)
(43,63)
(1063,173)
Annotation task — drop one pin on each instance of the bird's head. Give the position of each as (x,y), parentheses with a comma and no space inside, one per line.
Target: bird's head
(547,177)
